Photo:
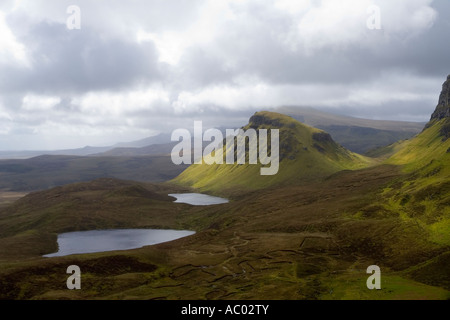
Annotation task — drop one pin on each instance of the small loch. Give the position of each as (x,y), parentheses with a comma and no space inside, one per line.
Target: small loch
(198,199)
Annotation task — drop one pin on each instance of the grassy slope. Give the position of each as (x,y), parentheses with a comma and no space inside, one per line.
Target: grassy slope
(302,159)
(298,242)
(425,195)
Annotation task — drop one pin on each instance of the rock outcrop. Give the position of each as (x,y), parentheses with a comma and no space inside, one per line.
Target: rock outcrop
(443,108)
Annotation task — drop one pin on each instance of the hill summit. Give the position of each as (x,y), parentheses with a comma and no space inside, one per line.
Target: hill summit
(306,154)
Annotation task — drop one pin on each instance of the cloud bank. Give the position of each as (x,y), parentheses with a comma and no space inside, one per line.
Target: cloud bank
(138,68)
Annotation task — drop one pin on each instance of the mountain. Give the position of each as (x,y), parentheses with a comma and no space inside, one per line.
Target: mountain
(160,149)
(305,154)
(27,154)
(356,134)
(315,118)
(158,139)
(160,145)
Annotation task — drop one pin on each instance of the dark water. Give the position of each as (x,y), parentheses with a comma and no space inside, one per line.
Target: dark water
(109,240)
(197,199)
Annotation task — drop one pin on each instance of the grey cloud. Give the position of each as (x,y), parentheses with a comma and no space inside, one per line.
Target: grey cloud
(419,111)
(253,48)
(104,56)
(65,61)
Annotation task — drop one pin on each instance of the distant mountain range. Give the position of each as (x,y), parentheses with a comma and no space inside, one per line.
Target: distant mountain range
(88,150)
(357,135)
(149,159)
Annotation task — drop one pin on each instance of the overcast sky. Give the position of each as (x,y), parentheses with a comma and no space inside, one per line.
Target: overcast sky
(136,68)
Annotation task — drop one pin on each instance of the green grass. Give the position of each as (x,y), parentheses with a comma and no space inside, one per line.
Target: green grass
(306,154)
(352,286)
(286,243)
(424,196)
(425,148)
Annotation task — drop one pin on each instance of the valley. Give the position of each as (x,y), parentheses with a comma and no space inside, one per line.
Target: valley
(211,157)
(307,233)
(302,242)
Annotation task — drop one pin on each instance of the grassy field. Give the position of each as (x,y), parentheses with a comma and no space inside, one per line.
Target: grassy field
(299,240)
(7,197)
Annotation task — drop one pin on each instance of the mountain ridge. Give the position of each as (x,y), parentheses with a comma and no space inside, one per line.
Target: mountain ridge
(305,154)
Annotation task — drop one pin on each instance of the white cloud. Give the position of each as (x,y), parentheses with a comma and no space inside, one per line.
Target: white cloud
(11,50)
(116,104)
(213,16)
(344,22)
(39,103)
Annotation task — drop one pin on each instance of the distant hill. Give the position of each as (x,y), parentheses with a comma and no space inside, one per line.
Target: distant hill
(314,117)
(27,154)
(160,145)
(356,134)
(48,171)
(306,154)
(161,138)
(162,149)
(158,139)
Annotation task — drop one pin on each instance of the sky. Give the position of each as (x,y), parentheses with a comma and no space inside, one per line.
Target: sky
(124,70)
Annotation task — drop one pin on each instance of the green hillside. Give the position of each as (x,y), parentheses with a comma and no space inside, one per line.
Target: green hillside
(306,154)
(424,195)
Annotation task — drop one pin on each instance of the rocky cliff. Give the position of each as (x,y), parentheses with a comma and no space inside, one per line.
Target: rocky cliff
(443,107)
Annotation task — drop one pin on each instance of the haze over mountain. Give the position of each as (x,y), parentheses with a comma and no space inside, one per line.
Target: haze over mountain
(88,150)
(356,134)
